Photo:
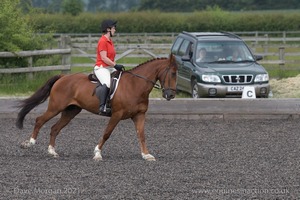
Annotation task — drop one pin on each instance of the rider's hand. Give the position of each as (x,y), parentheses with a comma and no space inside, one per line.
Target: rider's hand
(119,67)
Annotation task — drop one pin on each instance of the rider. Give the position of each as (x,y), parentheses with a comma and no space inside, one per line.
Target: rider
(105,63)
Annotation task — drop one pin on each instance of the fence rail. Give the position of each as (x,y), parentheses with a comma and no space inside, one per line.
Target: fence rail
(275,47)
(65,61)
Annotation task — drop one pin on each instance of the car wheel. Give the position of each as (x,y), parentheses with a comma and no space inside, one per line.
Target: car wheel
(195,89)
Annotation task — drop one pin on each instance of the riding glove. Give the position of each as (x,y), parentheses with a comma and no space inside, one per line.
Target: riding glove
(119,67)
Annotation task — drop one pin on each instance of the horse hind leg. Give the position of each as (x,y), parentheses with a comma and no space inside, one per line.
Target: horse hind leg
(39,122)
(67,115)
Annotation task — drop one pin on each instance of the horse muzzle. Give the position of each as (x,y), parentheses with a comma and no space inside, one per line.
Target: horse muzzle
(169,94)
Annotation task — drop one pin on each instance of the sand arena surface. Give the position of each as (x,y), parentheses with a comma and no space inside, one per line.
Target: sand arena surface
(196,159)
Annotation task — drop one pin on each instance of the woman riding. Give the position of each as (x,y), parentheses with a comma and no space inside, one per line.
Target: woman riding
(105,63)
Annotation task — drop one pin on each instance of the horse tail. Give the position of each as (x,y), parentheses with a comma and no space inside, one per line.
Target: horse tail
(40,96)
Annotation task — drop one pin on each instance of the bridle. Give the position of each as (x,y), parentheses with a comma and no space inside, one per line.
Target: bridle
(165,73)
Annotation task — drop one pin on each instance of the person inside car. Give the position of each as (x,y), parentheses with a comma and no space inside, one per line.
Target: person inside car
(202,55)
(235,56)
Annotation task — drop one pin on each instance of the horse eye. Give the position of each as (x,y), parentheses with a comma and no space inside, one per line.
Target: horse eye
(173,74)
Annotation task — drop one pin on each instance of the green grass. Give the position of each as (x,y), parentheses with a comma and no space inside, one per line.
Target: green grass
(82,60)
(23,84)
(129,60)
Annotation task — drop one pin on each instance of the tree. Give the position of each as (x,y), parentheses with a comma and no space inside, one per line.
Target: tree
(112,5)
(94,5)
(55,6)
(192,5)
(17,32)
(73,7)
(26,5)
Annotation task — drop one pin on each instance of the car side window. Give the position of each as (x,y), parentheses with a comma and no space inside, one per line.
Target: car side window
(176,45)
(184,48)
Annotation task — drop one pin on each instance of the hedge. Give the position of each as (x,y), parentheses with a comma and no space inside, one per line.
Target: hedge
(151,22)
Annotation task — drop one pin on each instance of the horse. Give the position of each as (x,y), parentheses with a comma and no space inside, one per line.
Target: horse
(70,93)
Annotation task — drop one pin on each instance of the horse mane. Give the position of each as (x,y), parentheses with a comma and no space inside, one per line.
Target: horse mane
(148,61)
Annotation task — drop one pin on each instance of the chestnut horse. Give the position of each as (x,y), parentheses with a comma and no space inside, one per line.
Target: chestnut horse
(69,94)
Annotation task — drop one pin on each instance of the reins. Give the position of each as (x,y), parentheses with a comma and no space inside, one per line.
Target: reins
(142,77)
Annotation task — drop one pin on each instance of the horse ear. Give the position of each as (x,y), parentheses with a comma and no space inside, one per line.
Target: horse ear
(172,59)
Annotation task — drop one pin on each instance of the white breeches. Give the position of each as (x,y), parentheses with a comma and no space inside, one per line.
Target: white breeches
(103,74)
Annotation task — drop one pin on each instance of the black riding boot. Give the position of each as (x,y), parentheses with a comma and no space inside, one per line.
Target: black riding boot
(103,93)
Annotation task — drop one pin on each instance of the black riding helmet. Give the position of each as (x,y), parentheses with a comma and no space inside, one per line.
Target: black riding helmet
(108,23)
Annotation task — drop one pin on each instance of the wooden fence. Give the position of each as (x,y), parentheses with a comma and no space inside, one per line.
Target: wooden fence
(146,45)
(64,67)
(277,48)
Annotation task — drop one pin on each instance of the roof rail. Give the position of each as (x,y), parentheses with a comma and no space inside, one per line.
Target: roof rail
(231,34)
(188,33)
(194,35)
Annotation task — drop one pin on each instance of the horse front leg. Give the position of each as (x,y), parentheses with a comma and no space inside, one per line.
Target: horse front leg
(139,122)
(107,132)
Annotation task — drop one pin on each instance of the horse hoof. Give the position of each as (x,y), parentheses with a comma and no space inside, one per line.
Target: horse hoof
(28,143)
(151,159)
(55,155)
(97,154)
(25,144)
(97,158)
(148,157)
(51,151)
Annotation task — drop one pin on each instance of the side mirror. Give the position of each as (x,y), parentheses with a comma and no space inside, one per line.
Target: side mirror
(258,57)
(186,58)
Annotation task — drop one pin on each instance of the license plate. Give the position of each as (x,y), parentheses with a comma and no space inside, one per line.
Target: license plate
(235,88)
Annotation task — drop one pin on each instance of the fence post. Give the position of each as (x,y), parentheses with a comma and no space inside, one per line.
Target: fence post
(146,36)
(256,38)
(266,44)
(30,74)
(281,57)
(90,40)
(66,58)
(284,37)
(65,41)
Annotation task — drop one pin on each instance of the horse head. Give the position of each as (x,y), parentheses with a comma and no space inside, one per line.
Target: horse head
(168,77)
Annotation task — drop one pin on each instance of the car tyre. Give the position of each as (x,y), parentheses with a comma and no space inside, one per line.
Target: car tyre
(195,89)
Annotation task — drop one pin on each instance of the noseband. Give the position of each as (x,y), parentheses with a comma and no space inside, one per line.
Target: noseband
(165,73)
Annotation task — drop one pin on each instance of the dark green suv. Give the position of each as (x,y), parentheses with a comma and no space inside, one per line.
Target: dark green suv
(217,64)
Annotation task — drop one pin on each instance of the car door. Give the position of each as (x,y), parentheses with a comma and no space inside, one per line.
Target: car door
(175,52)
(186,49)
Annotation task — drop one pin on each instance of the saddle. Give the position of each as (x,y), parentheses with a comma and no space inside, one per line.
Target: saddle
(115,77)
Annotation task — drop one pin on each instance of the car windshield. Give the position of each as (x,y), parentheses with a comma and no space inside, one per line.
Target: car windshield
(222,52)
